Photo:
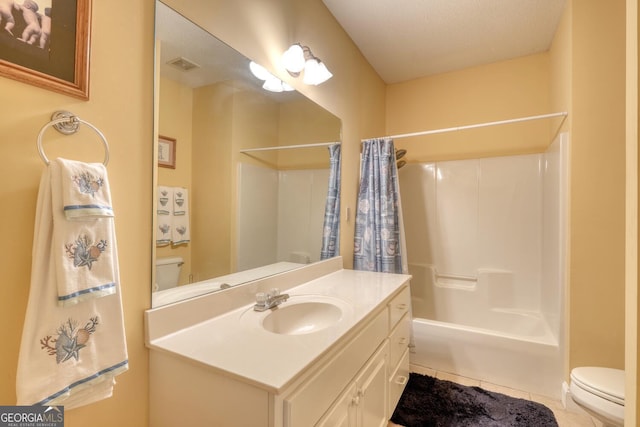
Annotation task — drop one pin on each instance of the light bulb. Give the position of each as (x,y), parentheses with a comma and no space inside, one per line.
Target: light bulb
(315,72)
(293,59)
(273,84)
(259,71)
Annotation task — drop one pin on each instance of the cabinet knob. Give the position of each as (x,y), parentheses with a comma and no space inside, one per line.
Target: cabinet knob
(401,306)
(402,341)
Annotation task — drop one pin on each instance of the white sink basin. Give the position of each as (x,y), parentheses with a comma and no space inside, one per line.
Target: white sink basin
(301,318)
(300,314)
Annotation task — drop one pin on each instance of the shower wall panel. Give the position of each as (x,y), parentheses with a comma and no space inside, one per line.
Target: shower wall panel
(470,215)
(280,215)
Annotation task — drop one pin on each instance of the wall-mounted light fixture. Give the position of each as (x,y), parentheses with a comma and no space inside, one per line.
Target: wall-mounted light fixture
(299,58)
(271,82)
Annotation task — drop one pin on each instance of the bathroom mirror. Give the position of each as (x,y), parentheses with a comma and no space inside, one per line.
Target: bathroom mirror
(250,214)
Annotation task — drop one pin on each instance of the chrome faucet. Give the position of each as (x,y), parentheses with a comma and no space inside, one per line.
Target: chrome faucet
(268,300)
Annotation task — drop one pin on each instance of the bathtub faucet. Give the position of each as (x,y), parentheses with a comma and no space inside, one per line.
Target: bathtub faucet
(271,299)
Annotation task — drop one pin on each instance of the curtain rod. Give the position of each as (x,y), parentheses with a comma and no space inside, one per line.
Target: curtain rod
(479,125)
(287,147)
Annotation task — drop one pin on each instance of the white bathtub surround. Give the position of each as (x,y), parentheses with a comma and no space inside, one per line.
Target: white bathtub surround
(486,247)
(221,363)
(280,214)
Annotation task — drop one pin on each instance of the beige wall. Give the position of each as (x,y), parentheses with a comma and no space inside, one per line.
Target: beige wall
(631,260)
(596,303)
(175,111)
(121,107)
(503,90)
(584,73)
(213,106)
(303,122)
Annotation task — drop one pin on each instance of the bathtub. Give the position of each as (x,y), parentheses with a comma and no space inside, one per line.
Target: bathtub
(472,327)
(486,250)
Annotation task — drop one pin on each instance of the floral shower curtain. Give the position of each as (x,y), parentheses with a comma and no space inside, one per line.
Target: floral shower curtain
(331,228)
(378,240)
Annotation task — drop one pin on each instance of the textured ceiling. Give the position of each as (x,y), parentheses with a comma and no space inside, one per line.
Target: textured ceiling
(217,62)
(407,39)
(179,37)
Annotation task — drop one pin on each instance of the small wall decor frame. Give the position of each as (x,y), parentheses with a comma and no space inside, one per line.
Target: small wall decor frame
(166,152)
(46,43)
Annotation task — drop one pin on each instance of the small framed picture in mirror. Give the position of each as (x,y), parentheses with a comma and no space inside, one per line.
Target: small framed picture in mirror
(166,152)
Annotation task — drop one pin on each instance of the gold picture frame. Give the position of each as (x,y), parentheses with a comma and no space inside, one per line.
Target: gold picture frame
(47,45)
(166,152)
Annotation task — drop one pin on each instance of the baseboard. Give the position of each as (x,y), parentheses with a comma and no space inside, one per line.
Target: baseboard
(568,402)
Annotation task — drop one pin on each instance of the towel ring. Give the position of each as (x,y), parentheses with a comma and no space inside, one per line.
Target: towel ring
(68,124)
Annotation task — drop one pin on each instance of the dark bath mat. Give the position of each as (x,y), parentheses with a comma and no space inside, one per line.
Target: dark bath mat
(430,402)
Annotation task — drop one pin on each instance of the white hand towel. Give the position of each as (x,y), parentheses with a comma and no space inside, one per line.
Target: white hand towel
(180,230)
(165,200)
(68,355)
(163,215)
(163,232)
(85,189)
(180,201)
(82,249)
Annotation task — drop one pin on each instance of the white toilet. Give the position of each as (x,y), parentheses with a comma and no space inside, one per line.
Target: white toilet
(600,392)
(167,272)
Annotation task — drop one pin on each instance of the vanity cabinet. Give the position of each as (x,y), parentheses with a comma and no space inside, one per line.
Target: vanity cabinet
(314,396)
(370,398)
(399,340)
(356,382)
(363,403)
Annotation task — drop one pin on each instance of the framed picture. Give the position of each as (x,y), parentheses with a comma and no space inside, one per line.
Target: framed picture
(166,152)
(45,43)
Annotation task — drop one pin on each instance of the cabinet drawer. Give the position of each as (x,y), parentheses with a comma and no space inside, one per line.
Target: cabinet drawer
(399,340)
(398,381)
(399,306)
(307,404)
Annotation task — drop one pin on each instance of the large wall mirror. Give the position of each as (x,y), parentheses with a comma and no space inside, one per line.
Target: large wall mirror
(247,214)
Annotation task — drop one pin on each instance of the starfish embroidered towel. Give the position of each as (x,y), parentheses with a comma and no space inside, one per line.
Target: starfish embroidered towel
(85,190)
(68,355)
(82,247)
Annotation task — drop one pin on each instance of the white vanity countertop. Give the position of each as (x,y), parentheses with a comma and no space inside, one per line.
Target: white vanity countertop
(235,345)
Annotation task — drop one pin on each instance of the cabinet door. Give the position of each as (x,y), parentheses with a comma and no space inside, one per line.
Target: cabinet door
(397,382)
(343,411)
(307,404)
(372,391)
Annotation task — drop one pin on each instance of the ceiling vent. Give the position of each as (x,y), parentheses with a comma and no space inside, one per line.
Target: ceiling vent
(183,64)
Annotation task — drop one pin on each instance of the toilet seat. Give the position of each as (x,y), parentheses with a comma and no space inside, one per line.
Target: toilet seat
(600,391)
(606,383)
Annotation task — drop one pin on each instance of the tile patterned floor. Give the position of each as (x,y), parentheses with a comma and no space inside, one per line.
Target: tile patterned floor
(564,417)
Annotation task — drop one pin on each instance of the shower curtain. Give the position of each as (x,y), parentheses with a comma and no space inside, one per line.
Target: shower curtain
(378,240)
(331,228)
